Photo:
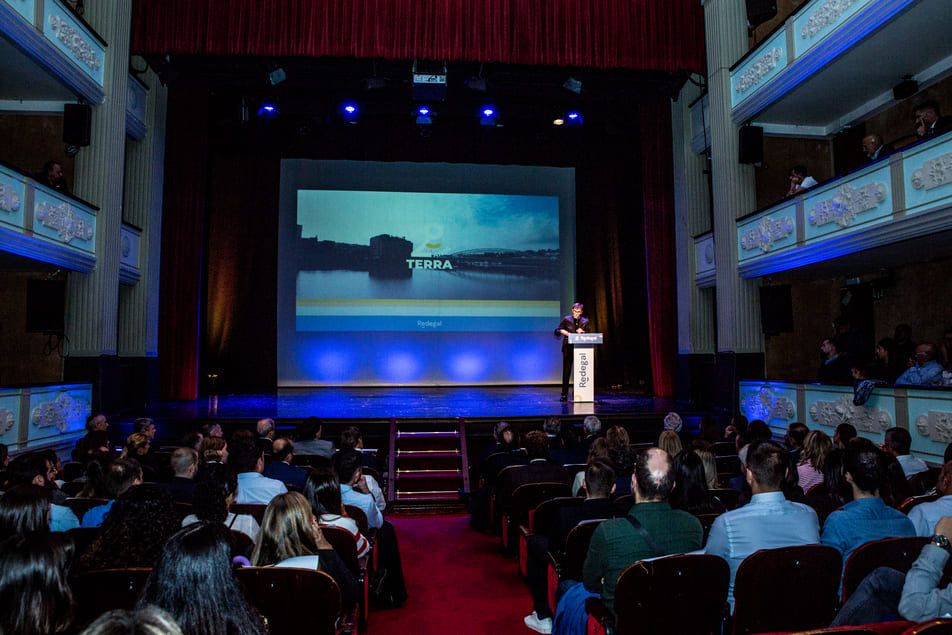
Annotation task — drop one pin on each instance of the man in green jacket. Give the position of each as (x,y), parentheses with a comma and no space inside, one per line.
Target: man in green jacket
(663,530)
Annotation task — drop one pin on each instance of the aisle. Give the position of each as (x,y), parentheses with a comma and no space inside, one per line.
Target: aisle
(457,579)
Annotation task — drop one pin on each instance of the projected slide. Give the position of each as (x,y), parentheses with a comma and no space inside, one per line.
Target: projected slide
(422,274)
(412,261)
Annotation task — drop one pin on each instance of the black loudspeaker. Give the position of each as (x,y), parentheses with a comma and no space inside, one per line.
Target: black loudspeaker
(77,123)
(750,142)
(45,306)
(776,309)
(905,88)
(759,11)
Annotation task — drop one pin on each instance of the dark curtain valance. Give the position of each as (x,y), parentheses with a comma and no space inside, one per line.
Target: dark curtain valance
(651,35)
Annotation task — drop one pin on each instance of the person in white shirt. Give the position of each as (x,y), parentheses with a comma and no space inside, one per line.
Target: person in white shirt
(925,516)
(248,461)
(800,180)
(323,493)
(215,491)
(898,442)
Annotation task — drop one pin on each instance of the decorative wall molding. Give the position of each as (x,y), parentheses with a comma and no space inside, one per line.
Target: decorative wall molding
(933,173)
(766,405)
(136,97)
(765,64)
(847,204)
(828,13)
(766,232)
(59,412)
(44,416)
(73,40)
(9,198)
(62,218)
(865,418)
(935,425)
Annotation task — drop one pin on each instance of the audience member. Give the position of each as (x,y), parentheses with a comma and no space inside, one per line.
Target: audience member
(120,476)
(137,447)
(710,467)
(622,458)
(212,430)
(816,447)
(52,176)
(193,440)
(887,366)
(835,366)
(691,491)
(670,442)
(253,487)
(194,583)
(844,433)
(147,620)
(945,348)
(898,443)
(213,450)
(352,438)
(540,468)
(796,435)
(768,520)
(709,430)
(800,180)
(836,491)
(33,468)
(494,459)
(184,468)
(280,468)
(926,371)
(215,491)
(134,531)
(599,485)
(592,426)
(96,441)
(323,493)
(866,517)
(144,425)
(925,515)
(570,451)
(929,120)
(353,486)
(598,451)
(34,593)
(874,148)
(310,442)
(265,430)
(24,509)
(904,346)
(291,537)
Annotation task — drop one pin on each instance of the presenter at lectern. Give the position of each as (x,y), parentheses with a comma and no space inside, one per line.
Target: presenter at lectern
(573,323)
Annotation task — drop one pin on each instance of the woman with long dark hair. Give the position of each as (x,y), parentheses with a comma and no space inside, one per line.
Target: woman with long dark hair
(193,582)
(322,491)
(215,490)
(35,598)
(24,509)
(690,486)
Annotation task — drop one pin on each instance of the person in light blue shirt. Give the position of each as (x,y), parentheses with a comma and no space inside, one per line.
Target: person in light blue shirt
(33,468)
(254,488)
(927,370)
(121,475)
(353,486)
(898,442)
(866,517)
(924,516)
(768,521)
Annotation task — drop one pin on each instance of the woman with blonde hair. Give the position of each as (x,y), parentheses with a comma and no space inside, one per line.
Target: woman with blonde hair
(137,446)
(710,467)
(290,536)
(670,442)
(816,448)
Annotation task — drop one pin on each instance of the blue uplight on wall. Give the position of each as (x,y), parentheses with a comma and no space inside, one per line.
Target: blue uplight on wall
(268,110)
(350,112)
(424,116)
(488,116)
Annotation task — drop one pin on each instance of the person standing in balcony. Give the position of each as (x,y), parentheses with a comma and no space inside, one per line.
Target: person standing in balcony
(52,176)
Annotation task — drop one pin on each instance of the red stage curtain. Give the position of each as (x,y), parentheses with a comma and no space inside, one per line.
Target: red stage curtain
(658,203)
(654,35)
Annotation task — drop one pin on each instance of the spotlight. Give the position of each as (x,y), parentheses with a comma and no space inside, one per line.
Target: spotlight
(573,118)
(487,116)
(424,117)
(573,85)
(277,76)
(268,110)
(558,121)
(349,111)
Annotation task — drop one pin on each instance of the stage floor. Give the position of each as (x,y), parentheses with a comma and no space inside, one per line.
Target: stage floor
(436,402)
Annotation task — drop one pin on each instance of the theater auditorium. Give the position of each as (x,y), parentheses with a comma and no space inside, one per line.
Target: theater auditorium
(475,316)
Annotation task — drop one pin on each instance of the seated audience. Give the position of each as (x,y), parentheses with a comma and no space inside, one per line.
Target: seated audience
(709,430)
(837,491)
(193,440)
(598,451)
(670,442)
(929,120)
(540,469)
(353,486)
(34,593)
(691,491)
(52,176)
(592,426)
(96,441)
(121,475)
(768,520)
(816,447)
(570,450)
(796,435)
(194,583)
(215,491)
(33,468)
(309,440)
(621,457)
(599,485)
(800,180)
(494,459)
(835,368)
(887,366)
(137,447)
(253,487)
(898,443)
(213,450)
(886,594)
(212,430)
(844,433)
(184,468)
(710,467)
(651,528)
(926,371)
(144,425)
(291,537)
(134,531)
(925,515)
(866,517)
(265,431)
(323,493)
(24,509)
(352,438)
(147,620)
(874,148)
(280,468)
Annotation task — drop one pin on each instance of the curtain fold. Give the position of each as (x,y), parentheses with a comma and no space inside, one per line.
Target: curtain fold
(652,35)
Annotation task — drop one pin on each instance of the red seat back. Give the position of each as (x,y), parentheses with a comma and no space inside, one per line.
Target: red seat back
(99,591)
(896,553)
(528,496)
(547,511)
(257,511)
(293,601)
(344,545)
(359,517)
(576,548)
(912,501)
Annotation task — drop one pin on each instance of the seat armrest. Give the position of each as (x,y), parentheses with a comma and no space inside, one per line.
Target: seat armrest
(598,611)
(525,531)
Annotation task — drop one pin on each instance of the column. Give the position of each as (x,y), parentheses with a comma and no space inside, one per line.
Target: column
(92,298)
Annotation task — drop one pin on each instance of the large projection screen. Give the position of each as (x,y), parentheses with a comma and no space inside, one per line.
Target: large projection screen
(422,274)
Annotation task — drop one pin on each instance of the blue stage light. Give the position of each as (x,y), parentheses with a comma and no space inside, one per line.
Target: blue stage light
(350,109)
(268,110)
(573,118)
(350,112)
(488,111)
(423,116)
(488,116)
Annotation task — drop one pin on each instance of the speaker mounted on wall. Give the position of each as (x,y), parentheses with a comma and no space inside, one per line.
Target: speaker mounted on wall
(77,124)
(750,145)
(45,306)
(760,11)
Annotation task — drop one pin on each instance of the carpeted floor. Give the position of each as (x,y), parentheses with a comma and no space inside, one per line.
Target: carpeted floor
(457,580)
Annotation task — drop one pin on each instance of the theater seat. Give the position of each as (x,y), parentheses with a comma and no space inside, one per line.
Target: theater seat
(80,506)
(540,520)
(786,589)
(649,595)
(896,553)
(254,510)
(294,601)
(912,501)
(99,591)
(82,537)
(569,565)
(940,626)
(346,547)
(524,499)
